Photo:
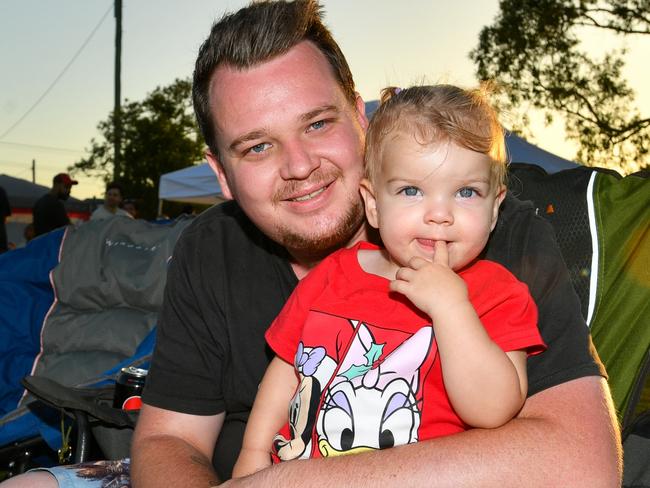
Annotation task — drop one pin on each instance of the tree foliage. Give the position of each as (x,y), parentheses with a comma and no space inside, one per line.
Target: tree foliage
(533,51)
(159,134)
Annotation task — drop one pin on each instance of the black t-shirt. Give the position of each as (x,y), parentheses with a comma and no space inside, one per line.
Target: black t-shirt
(227,282)
(49,214)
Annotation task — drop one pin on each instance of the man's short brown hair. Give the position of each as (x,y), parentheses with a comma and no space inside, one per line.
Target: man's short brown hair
(257,33)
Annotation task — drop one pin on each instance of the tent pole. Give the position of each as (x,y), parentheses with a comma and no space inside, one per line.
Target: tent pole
(160,207)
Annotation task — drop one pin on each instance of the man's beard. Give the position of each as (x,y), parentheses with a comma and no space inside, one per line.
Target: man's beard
(317,246)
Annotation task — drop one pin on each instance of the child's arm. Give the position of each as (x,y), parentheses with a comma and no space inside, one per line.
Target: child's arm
(486,386)
(269,414)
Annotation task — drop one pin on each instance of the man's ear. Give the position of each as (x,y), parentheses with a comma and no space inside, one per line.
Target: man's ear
(219,170)
(361,112)
(501,194)
(370,202)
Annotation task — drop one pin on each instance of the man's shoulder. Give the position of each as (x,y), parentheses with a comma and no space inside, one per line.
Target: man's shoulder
(225,226)
(518,217)
(226,216)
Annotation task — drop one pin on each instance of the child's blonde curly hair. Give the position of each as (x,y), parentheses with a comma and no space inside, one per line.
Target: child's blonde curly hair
(436,114)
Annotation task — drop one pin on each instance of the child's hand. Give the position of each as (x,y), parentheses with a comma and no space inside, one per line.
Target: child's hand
(432,286)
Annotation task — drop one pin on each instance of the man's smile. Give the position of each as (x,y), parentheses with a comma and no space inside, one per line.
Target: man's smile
(311,195)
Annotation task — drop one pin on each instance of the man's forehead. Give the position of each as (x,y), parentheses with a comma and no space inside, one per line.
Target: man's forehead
(286,88)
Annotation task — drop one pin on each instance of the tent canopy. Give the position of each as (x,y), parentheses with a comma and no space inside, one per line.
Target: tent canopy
(519,149)
(24,194)
(522,151)
(195,184)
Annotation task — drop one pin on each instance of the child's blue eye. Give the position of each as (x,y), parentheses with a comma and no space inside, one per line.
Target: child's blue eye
(410,191)
(466,192)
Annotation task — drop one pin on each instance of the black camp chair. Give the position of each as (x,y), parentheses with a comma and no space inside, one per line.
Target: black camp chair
(622,339)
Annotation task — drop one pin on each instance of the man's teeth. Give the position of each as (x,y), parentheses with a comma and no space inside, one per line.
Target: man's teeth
(309,196)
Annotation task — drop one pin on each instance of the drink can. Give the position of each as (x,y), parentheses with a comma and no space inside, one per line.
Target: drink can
(128,388)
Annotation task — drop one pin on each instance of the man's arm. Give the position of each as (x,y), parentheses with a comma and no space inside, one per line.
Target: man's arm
(564,436)
(174,449)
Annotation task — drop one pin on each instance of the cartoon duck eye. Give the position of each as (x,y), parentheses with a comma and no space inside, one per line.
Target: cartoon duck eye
(386,439)
(347,439)
(338,425)
(398,419)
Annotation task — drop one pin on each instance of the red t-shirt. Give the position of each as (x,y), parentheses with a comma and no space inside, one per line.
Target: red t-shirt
(366,358)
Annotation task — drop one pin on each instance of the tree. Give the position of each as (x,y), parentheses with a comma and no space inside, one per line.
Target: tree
(533,52)
(159,134)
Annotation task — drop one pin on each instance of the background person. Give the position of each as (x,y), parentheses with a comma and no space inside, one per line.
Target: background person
(111,206)
(131,207)
(5,211)
(49,211)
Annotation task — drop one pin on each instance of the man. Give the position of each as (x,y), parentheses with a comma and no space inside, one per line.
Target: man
(111,206)
(275,99)
(49,211)
(285,131)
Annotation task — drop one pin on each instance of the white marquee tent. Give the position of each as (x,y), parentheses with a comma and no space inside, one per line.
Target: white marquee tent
(195,184)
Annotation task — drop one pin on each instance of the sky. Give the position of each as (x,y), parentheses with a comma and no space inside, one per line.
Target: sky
(56,79)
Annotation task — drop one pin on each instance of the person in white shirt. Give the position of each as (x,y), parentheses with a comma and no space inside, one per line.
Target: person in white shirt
(111,206)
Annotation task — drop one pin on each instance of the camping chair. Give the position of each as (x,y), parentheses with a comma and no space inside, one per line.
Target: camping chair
(107,280)
(602,224)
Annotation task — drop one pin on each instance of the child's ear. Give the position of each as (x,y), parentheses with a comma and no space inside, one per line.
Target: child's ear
(368,195)
(501,194)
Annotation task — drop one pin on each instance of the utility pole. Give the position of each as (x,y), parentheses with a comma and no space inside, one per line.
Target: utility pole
(117,116)
(33,171)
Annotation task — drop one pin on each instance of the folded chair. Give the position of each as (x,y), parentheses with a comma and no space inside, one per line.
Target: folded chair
(103,287)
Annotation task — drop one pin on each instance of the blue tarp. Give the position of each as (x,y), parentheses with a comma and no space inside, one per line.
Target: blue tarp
(25,297)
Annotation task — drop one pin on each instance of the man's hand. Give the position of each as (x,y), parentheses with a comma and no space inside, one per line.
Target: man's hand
(174,449)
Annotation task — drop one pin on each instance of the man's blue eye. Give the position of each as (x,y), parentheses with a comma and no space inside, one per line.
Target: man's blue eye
(318,125)
(466,192)
(258,148)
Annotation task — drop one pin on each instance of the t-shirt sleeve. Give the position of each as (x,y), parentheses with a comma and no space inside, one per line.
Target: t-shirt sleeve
(286,330)
(505,308)
(188,359)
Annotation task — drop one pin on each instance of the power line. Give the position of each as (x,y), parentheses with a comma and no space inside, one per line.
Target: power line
(67,66)
(29,165)
(49,148)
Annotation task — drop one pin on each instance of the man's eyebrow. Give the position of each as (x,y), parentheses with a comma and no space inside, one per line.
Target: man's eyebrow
(306,117)
(249,136)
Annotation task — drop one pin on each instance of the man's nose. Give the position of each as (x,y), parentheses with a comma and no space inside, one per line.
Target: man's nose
(299,161)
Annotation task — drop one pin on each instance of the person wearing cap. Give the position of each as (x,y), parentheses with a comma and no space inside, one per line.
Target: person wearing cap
(49,211)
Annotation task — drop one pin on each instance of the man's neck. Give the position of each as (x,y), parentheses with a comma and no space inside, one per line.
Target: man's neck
(302,263)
